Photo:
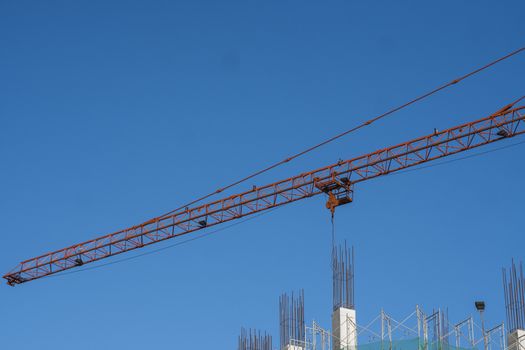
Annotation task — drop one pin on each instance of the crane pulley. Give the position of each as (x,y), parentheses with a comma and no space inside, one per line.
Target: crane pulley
(339,190)
(337,181)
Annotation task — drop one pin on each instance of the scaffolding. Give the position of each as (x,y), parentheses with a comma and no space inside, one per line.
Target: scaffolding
(416,331)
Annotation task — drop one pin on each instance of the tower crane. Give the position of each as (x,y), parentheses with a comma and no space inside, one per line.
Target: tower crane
(336,181)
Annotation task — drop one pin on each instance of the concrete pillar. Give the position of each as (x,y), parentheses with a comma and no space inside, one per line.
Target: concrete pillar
(516,340)
(344,329)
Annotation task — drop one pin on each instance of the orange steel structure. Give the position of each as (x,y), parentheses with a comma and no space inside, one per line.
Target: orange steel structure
(336,180)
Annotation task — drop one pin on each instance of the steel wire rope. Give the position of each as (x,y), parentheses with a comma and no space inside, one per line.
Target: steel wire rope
(333,138)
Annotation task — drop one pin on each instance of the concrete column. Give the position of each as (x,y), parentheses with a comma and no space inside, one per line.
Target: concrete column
(516,340)
(344,329)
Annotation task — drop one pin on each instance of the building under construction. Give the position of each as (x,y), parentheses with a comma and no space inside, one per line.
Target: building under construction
(418,330)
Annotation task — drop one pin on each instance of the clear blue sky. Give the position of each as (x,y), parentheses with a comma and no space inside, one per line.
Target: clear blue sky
(113,112)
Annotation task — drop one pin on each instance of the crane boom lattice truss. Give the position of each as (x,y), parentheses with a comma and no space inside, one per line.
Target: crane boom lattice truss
(335,180)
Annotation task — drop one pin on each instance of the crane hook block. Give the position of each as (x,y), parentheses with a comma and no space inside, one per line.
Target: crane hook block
(337,199)
(339,190)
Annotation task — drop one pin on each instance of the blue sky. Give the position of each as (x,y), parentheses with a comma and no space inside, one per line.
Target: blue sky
(114,112)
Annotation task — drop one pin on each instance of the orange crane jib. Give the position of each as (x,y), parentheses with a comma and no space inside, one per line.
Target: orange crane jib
(336,180)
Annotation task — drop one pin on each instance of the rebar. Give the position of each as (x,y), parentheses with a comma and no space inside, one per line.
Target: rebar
(252,339)
(291,319)
(343,277)
(444,335)
(514,292)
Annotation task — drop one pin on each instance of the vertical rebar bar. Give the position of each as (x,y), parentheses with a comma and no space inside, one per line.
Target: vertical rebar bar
(514,294)
(343,277)
(291,319)
(253,340)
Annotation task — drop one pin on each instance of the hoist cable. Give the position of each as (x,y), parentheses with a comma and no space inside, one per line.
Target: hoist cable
(333,138)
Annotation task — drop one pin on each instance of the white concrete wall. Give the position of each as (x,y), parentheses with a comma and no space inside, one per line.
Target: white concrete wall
(516,340)
(344,329)
(293,347)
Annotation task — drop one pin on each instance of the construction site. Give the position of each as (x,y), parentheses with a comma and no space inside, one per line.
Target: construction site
(237,118)
(417,330)
(420,329)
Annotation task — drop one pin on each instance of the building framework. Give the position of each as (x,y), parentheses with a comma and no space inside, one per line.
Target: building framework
(419,330)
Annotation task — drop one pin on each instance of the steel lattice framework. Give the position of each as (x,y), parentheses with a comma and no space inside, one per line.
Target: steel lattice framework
(335,180)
